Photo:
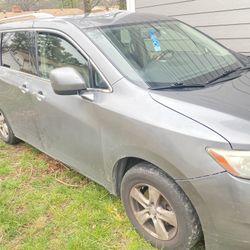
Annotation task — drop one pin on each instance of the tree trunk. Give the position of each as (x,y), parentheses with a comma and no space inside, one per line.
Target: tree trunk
(83,6)
(123,5)
(87,5)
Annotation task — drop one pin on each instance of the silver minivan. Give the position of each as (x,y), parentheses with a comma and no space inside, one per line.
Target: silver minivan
(152,109)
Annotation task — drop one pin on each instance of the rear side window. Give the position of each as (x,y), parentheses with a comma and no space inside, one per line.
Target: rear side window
(18,51)
(55,52)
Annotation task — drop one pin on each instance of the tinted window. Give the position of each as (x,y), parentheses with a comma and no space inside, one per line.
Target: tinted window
(55,52)
(18,52)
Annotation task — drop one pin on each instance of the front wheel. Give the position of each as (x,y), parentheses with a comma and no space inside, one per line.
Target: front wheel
(159,209)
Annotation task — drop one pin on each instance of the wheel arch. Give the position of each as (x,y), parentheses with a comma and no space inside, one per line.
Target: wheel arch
(125,163)
(119,170)
(143,165)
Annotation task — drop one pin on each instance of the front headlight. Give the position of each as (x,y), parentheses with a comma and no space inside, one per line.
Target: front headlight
(236,162)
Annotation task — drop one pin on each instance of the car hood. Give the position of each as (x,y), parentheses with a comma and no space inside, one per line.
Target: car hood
(224,108)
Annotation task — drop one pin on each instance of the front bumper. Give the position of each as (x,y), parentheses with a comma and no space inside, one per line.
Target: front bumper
(223,205)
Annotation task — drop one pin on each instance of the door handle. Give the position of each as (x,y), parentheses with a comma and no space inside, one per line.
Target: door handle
(24,88)
(39,96)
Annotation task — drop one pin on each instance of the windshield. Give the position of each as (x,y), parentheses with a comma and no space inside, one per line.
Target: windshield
(162,53)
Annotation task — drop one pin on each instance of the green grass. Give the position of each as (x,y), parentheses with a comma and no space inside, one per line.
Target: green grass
(38,210)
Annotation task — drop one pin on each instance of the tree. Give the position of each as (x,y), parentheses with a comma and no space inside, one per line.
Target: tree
(109,3)
(29,5)
(25,5)
(90,4)
(122,4)
(87,5)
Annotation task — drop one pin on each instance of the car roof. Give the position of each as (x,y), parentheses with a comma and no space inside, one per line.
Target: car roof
(113,19)
(84,21)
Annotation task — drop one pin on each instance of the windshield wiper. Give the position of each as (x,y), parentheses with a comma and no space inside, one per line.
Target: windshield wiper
(224,75)
(178,86)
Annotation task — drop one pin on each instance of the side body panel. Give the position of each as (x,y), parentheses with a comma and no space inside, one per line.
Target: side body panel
(70,130)
(16,103)
(134,125)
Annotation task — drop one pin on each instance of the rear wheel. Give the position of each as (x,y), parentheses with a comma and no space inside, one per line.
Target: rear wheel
(159,209)
(6,133)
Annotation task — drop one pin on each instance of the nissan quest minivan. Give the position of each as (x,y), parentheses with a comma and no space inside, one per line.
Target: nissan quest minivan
(150,108)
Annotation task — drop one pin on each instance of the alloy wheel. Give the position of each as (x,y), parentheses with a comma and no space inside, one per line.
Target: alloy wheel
(153,212)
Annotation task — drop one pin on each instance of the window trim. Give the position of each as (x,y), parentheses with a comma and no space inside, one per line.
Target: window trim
(92,66)
(72,42)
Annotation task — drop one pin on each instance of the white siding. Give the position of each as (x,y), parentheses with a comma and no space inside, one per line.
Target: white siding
(130,5)
(228,21)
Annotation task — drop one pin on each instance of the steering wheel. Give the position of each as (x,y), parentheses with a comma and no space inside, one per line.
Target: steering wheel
(164,53)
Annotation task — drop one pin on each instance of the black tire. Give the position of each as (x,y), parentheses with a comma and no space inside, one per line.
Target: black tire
(188,229)
(10,138)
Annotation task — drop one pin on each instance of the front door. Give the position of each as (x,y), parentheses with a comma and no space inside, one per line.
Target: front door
(69,127)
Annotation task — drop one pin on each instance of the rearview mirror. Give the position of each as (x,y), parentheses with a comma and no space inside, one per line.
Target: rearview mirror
(67,81)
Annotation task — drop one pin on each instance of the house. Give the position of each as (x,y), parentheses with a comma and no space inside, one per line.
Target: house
(228,21)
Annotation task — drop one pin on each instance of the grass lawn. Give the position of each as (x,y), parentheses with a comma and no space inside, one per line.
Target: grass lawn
(39,210)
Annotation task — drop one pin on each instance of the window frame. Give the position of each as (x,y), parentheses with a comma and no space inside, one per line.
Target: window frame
(68,39)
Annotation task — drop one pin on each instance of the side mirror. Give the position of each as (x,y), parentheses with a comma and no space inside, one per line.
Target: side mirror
(67,81)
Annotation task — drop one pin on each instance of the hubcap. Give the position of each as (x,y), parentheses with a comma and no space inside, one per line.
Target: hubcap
(4,130)
(153,212)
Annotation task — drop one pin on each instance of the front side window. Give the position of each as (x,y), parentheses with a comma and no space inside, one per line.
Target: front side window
(18,51)
(55,52)
(163,52)
(98,81)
